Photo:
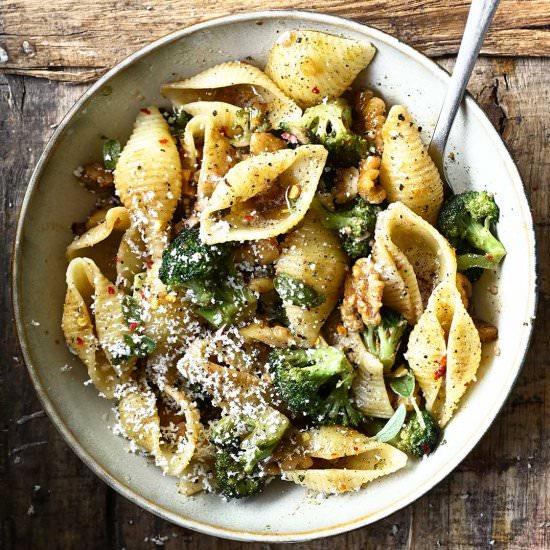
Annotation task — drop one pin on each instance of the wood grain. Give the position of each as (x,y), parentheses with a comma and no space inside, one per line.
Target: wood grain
(497,498)
(90,37)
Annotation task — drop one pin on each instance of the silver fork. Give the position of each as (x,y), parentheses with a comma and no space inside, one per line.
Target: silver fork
(479,18)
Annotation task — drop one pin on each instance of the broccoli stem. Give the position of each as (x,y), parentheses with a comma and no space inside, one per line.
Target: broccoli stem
(481,238)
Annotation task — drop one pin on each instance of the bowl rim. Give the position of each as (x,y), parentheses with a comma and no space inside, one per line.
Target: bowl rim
(49,407)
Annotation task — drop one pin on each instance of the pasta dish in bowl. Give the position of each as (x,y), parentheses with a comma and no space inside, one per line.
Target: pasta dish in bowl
(270,284)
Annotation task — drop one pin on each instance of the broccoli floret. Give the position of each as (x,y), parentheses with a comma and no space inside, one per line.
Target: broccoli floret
(330,125)
(315,383)
(383,340)
(296,292)
(252,438)
(243,441)
(416,439)
(231,480)
(188,258)
(466,221)
(355,225)
(209,274)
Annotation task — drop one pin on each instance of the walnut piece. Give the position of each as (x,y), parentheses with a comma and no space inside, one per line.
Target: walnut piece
(464,287)
(362,296)
(487,332)
(96,178)
(367,184)
(372,115)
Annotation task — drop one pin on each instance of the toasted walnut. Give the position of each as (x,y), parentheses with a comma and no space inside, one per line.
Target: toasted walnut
(464,286)
(362,296)
(264,142)
(367,184)
(96,178)
(346,185)
(262,252)
(348,310)
(372,115)
(487,332)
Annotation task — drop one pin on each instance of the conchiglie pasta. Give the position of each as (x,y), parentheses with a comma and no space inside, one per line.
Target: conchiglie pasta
(332,442)
(236,83)
(217,126)
(113,244)
(148,178)
(310,66)
(352,472)
(228,386)
(312,254)
(94,327)
(140,420)
(444,351)
(412,258)
(369,388)
(407,173)
(252,201)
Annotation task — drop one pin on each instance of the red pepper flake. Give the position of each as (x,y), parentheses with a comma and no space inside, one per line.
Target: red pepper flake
(149,264)
(426,448)
(146,111)
(440,372)
(223,131)
(79,341)
(290,138)
(489,257)
(163,141)
(248,218)
(111,290)
(133,326)
(315,90)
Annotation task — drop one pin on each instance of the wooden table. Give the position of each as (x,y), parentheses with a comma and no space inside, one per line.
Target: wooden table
(499,497)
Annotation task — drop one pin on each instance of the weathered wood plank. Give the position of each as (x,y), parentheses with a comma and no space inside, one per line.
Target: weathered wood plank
(93,36)
(499,493)
(48,498)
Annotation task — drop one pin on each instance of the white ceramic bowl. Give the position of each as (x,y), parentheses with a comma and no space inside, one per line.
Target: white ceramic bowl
(54,200)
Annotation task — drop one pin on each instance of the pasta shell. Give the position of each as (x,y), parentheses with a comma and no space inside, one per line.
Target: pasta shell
(412,258)
(212,124)
(113,245)
(444,351)
(332,442)
(237,83)
(148,178)
(140,420)
(352,472)
(251,202)
(312,254)
(93,306)
(369,387)
(310,66)
(407,173)
(228,386)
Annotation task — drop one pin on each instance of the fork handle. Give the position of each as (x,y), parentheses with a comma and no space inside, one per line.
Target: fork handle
(479,18)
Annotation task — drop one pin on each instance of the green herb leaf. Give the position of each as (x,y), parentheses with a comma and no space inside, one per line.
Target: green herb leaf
(181,118)
(140,346)
(296,292)
(404,385)
(131,310)
(111,153)
(393,425)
